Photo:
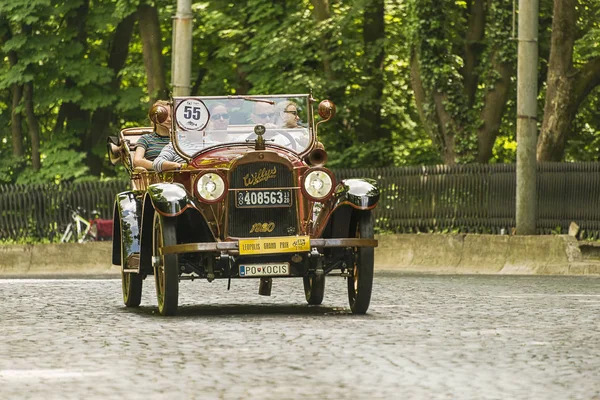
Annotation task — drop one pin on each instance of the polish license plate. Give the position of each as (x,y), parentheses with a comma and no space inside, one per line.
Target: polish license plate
(274,245)
(263,198)
(281,269)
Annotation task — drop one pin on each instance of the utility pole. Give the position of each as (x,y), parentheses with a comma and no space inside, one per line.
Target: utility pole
(181,61)
(527,117)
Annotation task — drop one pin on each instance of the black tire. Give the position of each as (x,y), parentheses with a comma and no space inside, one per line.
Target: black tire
(132,289)
(314,289)
(166,274)
(131,283)
(360,283)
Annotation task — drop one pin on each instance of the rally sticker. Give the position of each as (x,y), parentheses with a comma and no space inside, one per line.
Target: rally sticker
(192,115)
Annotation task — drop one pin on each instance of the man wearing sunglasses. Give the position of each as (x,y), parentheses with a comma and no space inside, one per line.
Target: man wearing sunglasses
(263,113)
(219,118)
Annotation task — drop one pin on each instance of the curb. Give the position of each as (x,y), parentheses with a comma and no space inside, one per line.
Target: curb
(409,253)
(483,254)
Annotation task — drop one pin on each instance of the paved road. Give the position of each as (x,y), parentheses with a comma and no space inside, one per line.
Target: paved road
(425,337)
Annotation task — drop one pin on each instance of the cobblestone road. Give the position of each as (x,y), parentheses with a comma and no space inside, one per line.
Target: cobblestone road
(425,337)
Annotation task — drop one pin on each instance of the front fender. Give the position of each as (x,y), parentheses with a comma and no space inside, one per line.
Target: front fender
(169,199)
(126,226)
(172,200)
(359,193)
(355,193)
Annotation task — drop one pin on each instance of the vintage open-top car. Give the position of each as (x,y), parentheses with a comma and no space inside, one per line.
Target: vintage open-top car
(252,200)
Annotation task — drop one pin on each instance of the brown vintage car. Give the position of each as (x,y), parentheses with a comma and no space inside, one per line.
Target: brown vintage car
(253,201)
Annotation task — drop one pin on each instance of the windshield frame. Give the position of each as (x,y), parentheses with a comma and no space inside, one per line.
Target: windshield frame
(196,131)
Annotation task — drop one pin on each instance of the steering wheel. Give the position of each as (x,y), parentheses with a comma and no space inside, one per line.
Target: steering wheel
(271,135)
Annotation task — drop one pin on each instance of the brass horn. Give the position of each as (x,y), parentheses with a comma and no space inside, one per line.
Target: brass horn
(317,157)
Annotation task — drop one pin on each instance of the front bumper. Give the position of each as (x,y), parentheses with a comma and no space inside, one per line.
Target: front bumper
(233,247)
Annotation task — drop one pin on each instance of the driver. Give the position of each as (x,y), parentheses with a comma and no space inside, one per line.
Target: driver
(264,113)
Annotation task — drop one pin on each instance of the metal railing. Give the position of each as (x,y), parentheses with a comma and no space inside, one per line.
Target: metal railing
(43,211)
(481,198)
(475,198)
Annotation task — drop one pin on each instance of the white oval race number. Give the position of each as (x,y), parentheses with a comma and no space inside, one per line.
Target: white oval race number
(192,115)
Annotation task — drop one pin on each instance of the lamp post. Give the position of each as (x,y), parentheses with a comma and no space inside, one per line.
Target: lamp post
(181,62)
(526,212)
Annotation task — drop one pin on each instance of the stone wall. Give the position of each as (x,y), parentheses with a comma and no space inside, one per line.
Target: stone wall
(429,253)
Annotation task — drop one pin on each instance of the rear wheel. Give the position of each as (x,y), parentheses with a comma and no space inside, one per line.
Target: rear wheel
(131,283)
(166,274)
(314,289)
(360,282)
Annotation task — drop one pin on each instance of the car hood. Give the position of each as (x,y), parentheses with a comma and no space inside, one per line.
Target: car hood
(226,156)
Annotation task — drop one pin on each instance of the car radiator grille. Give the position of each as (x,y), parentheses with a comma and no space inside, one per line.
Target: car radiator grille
(241,220)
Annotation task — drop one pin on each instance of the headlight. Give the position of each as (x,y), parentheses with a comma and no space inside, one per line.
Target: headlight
(210,187)
(318,184)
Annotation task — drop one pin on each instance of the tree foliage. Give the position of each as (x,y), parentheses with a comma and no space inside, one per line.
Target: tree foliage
(415,81)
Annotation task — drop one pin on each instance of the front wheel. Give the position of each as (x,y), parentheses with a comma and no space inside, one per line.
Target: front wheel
(314,289)
(166,274)
(131,283)
(360,282)
(132,288)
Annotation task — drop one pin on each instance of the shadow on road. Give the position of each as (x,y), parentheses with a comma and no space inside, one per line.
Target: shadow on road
(221,310)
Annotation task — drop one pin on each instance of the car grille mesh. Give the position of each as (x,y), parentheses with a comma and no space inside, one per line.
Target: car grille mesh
(260,176)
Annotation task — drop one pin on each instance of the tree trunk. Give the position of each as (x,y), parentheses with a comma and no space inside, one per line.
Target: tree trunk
(567,86)
(558,109)
(71,118)
(495,100)
(369,127)
(15,116)
(103,117)
(321,13)
(472,48)
(149,26)
(15,122)
(34,130)
(17,93)
(437,121)
(321,9)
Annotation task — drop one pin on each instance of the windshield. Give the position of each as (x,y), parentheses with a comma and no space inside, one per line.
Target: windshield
(204,122)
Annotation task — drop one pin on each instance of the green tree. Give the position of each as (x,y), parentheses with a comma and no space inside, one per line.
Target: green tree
(462,64)
(573,72)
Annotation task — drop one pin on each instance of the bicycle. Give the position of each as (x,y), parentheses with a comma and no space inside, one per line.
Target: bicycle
(78,230)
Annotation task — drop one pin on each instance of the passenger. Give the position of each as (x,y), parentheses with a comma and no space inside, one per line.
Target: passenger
(219,118)
(168,160)
(216,133)
(288,122)
(150,145)
(288,115)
